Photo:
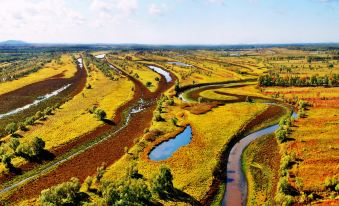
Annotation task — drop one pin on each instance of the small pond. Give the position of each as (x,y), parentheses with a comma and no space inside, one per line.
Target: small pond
(100,56)
(180,64)
(166,149)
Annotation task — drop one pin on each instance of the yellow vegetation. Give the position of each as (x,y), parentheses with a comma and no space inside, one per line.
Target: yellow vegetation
(66,68)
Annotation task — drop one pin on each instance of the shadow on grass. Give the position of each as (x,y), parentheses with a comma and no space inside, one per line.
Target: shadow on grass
(108,121)
(180,196)
(44,156)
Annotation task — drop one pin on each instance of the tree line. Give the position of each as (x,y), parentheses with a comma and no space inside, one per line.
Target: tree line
(315,80)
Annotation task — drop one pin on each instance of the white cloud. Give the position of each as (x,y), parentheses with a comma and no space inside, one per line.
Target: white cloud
(121,6)
(21,17)
(155,9)
(112,12)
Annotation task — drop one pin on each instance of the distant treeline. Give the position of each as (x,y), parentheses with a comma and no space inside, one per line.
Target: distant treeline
(276,80)
(308,58)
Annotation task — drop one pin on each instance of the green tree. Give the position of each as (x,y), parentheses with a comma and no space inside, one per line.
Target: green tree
(11,128)
(6,160)
(32,149)
(29,120)
(67,193)
(162,183)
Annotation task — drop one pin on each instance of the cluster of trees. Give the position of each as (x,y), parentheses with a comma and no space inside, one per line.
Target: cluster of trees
(67,193)
(25,66)
(277,80)
(159,109)
(31,150)
(100,64)
(133,189)
(284,129)
(285,191)
(11,128)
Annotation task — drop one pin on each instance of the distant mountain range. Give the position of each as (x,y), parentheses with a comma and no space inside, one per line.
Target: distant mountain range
(14,43)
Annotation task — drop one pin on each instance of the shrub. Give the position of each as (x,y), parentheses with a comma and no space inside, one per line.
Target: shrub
(48,111)
(66,193)
(88,182)
(38,115)
(29,120)
(100,114)
(93,109)
(89,86)
(170,102)
(56,106)
(177,87)
(148,84)
(332,183)
(284,186)
(11,128)
(158,117)
(22,126)
(100,173)
(13,143)
(6,160)
(281,135)
(175,121)
(286,162)
(249,99)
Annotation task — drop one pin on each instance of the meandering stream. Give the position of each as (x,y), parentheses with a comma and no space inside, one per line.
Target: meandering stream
(236,184)
(162,72)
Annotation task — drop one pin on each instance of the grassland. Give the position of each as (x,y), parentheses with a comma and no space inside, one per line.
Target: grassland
(312,142)
(261,165)
(314,145)
(64,68)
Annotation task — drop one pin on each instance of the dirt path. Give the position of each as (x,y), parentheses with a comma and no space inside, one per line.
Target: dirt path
(108,151)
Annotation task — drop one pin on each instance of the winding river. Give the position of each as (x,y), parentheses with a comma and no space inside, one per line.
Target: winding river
(162,72)
(236,184)
(36,102)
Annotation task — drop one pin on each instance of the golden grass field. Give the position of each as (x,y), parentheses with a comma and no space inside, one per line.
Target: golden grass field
(67,69)
(261,165)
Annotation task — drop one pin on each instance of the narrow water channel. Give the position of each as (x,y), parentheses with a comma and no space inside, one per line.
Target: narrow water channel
(162,72)
(236,184)
(36,102)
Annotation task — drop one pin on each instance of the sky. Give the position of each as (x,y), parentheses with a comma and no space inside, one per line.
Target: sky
(170,21)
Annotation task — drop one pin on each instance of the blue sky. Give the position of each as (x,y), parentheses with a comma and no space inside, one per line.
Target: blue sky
(170,21)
